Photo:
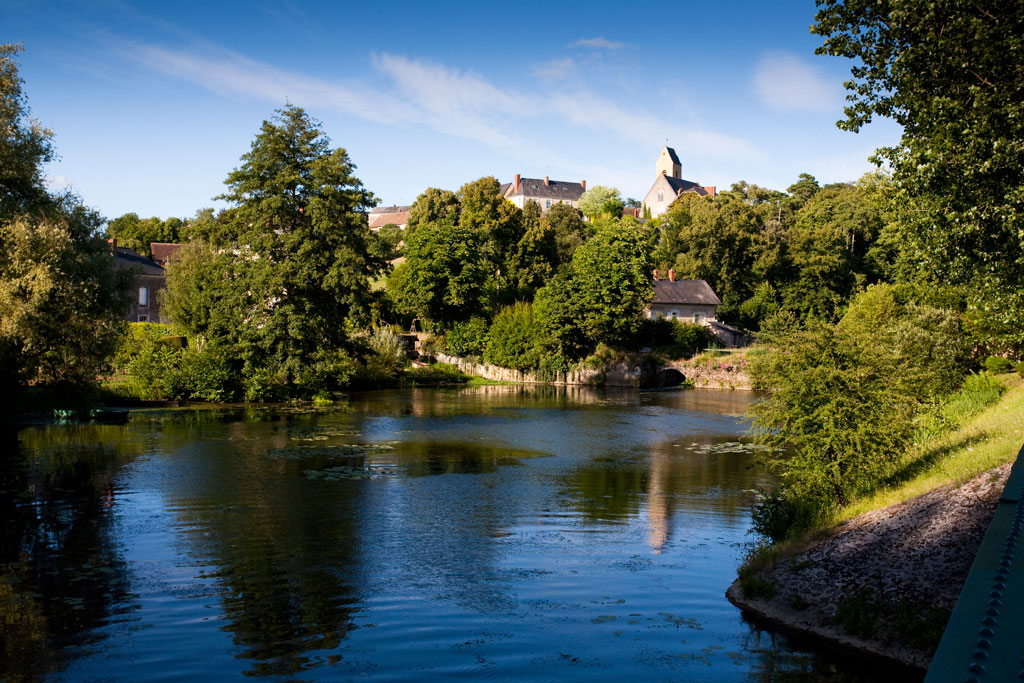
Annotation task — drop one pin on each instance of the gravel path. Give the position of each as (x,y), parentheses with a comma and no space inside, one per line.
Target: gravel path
(916,552)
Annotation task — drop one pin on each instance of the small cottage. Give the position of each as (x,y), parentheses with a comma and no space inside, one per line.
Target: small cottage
(692,301)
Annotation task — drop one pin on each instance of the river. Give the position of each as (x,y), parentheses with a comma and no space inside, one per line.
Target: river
(498,532)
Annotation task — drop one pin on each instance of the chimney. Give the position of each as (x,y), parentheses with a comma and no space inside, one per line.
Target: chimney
(711,190)
(515,188)
(546,181)
(655,274)
(584,184)
(671,274)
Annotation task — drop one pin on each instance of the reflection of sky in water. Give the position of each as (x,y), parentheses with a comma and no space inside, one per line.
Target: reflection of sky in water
(516,532)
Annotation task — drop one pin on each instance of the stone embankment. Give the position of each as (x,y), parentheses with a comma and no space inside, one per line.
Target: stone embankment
(915,553)
(713,374)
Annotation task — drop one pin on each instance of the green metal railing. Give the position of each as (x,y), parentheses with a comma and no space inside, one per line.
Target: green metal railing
(984,640)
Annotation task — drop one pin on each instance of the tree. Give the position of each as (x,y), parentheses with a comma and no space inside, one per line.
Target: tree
(60,298)
(512,338)
(950,74)
(600,298)
(601,202)
(444,275)
(535,258)
(138,233)
(499,221)
(431,206)
(569,228)
(24,144)
(281,272)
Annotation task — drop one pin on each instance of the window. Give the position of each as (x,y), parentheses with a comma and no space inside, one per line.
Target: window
(661,197)
(673,314)
(143,318)
(143,296)
(547,204)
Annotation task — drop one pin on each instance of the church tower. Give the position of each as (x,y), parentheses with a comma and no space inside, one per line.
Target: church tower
(668,164)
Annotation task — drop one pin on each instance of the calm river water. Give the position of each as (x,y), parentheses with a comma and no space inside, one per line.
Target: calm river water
(424,534)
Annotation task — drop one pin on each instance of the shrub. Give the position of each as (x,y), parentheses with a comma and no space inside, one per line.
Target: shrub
(550,367)
(207,375)
(997,365)
(1020,368)
(978,392)
(512,339)
(438,373)
(262,384)
(387,355)
(689,338)
(781,513)
(467,338)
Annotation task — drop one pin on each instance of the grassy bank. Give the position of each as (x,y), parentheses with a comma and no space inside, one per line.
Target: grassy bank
(989,439)
(981,442)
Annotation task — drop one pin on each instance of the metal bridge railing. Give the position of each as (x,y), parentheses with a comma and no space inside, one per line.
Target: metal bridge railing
(984,640)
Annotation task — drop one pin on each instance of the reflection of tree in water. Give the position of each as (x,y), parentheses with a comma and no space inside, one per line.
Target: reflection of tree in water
(284,547)
(62,576)
(692,474)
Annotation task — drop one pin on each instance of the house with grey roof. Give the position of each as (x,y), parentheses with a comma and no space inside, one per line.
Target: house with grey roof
(545,192)
(669,184)
(149,280)
(692,301)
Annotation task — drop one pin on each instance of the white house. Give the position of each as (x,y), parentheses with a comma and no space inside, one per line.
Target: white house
(545,192)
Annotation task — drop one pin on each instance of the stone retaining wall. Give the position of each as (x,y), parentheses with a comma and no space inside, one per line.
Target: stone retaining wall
(711,375)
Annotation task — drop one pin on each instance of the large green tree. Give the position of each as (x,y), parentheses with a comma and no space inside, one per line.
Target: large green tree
(951,74)
(60,298)
(281,275)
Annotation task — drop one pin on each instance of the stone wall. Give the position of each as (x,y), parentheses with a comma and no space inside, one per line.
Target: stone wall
(710,375)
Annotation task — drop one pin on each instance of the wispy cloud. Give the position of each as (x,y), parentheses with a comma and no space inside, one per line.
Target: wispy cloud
(598,43)
(555,70)
(407,91)
(786,82)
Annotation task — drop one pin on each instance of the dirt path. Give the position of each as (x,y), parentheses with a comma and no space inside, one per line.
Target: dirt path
(906,561)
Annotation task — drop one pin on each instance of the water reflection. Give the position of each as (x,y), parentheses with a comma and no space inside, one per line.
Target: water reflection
(62,575)
(507,530)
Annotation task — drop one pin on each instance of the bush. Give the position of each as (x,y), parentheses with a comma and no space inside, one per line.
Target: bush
(550,367)
(1020,368)
(263,384)
(207,375)
(781,513)
(978,392)
(689,338)
(512,339)
(997,365)
(467,338)
(438,373)
(387,356)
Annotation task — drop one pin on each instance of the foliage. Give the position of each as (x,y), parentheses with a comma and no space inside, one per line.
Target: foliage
(438,373)
(1020,368)
(512,338)
(611,277)
(281,276)
(138,233)
(387,355)
(601,202)
(444,276)
(468,338)
(949,74)
(977,393)
(25,146)
(781,513)
(833,404)
(60,298)
(569,228)
(535,258)
(997,365)
(433,206)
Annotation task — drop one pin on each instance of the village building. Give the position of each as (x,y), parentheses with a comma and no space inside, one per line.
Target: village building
(695,302)
(389,215)
(669,184)
(544,191)
(164,252)
(148,282)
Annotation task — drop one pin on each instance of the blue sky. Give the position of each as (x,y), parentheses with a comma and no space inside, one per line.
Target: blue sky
(152,104)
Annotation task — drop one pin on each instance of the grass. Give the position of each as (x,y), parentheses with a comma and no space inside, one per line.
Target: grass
(991,438)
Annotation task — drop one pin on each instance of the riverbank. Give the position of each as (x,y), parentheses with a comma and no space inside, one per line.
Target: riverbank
(702,372)
(882,581)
